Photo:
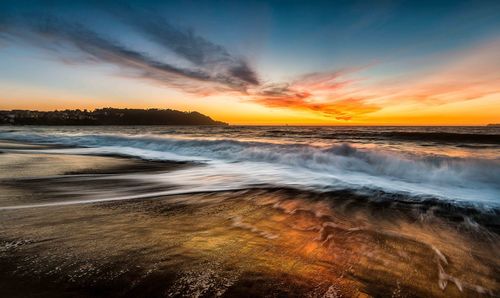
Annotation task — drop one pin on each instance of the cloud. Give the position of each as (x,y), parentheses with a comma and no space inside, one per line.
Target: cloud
(186,44)
(326,93)
(213,68)
(210,69)
(343,109)
(461,76)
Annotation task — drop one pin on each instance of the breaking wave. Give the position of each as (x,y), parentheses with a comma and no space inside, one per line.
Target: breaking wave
(238,164)
(446,137)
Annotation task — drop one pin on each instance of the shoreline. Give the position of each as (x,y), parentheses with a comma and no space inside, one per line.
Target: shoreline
(253,242)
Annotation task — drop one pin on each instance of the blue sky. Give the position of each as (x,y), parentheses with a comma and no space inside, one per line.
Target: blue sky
(186,50)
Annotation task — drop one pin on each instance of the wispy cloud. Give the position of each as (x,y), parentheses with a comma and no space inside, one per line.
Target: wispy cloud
(465,75)
(327,93)
(345,95)
(213,68)
(190,46)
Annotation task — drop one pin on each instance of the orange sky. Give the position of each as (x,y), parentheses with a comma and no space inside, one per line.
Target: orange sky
(258,63)
(463,88)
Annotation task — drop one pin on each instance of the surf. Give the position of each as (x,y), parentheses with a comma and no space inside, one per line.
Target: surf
(238,164)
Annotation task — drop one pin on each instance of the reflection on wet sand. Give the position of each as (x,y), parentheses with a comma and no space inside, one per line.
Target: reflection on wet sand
(270,242)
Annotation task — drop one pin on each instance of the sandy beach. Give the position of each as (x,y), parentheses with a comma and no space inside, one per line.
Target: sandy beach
(267,242)
(249,148)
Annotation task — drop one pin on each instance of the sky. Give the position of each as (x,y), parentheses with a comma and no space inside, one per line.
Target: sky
(258,62)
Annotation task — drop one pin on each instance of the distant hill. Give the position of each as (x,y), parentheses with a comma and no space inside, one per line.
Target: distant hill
(106,116)
(494,124)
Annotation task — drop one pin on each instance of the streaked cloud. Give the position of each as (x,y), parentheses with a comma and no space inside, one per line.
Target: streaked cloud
(459,76)
(213,68)
(178,57)
(190,46)
(328,93)
(344,94)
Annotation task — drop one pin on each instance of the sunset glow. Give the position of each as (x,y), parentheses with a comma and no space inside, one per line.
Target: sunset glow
(250,148)
(382,67)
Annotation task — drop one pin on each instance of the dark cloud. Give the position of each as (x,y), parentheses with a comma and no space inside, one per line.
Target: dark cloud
(209,68)
(211,64)
(186,44)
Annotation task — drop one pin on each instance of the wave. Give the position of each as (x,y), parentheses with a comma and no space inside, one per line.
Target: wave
(471,136)
(238,164)
(437,137)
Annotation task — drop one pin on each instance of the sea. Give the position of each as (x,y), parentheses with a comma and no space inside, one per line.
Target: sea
(249,211)
(456,165)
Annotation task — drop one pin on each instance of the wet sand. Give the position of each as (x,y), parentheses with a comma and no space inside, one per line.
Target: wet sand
(258,242)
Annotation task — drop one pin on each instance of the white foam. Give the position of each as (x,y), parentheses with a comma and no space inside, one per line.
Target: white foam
(237,164)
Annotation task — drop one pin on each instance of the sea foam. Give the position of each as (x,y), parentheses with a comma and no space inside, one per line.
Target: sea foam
(233,164)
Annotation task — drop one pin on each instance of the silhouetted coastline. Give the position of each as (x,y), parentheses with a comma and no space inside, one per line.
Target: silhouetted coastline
(106,116)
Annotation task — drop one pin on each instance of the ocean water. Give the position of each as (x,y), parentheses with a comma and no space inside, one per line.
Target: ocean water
(460,165)
(250,211)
